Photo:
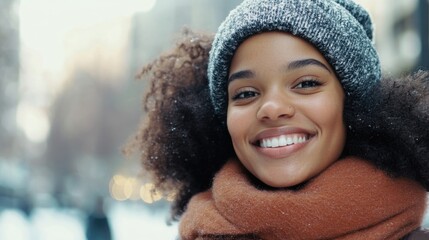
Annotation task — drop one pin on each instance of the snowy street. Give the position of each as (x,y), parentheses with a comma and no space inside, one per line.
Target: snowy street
(126,221)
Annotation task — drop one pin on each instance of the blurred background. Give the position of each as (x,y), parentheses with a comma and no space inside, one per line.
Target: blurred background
(69,102)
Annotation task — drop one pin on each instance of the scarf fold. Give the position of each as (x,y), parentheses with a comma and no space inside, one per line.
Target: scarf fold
(349,200)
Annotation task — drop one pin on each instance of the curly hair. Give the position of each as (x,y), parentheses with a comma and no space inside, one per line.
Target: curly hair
(182,144)
(390,127)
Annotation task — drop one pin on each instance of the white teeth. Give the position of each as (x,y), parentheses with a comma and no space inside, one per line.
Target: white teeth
(275,142)
(282,141)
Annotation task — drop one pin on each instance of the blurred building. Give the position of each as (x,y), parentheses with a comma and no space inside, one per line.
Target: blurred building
(401,34)
(10,173)
(9,73)
(155,31)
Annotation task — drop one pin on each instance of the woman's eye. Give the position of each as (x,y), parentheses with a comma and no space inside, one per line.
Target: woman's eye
(245,95)
(308,84)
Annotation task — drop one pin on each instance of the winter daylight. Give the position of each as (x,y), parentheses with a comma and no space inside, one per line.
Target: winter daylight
(202,119)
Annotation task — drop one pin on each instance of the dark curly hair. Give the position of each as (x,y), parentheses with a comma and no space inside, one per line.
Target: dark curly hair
(182,144)
(390,127)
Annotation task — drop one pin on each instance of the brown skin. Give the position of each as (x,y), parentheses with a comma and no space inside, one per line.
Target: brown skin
(275,96)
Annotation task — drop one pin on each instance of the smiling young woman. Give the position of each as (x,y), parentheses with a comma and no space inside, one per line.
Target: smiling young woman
(281,127)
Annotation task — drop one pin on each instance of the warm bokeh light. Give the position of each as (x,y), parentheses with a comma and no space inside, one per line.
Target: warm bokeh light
(149,194)
(170,197)
(116,188)
(130,188)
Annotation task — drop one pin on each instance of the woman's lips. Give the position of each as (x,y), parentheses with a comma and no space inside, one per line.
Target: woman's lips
(282,142)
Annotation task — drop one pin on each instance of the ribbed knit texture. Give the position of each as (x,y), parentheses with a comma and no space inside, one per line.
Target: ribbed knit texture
(351,200)
(340,29)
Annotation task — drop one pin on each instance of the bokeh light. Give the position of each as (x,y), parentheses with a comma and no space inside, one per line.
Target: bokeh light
(123,188)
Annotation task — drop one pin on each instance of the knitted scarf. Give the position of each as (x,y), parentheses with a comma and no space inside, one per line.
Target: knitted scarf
(349,200)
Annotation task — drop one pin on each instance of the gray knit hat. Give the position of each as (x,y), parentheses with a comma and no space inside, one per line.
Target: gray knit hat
(340,29)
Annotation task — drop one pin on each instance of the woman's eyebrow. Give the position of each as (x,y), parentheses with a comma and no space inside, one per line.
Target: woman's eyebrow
(241,74)
(291,66)
(305,62)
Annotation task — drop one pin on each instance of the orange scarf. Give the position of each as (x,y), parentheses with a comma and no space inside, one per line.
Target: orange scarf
(349,200)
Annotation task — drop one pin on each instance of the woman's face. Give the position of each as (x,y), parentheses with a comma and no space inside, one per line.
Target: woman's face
(285,109)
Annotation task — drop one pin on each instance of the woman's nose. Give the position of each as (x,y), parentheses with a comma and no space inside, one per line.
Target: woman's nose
(274,107)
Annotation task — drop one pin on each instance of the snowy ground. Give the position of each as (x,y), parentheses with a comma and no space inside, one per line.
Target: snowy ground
(127,222)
